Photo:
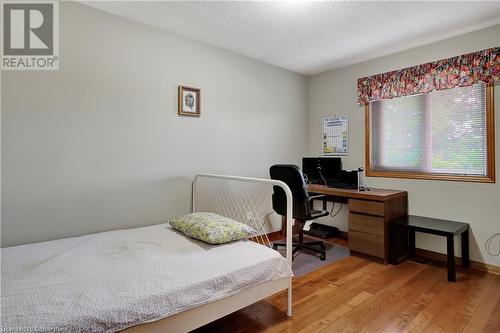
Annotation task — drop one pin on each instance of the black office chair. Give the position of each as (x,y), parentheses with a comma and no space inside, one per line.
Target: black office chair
(302,206)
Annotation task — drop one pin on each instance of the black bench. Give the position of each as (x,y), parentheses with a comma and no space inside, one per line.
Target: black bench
(445,228)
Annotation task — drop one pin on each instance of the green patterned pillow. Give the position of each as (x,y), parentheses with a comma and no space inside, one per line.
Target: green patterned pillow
(211,228)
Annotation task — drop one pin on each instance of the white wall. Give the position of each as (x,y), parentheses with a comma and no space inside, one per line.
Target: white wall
(334,92)
(98,145)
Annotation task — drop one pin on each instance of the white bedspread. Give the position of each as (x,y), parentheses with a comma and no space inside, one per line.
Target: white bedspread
(109,281)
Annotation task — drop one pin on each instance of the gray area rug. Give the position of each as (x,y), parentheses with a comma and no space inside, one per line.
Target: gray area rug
(306,261)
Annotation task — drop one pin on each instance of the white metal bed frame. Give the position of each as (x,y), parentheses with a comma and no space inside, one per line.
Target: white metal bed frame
(199,316)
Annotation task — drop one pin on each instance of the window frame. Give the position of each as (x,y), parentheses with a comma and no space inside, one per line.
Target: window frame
(490,151)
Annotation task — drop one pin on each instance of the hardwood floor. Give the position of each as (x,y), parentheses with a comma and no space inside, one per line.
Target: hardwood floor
(358,295)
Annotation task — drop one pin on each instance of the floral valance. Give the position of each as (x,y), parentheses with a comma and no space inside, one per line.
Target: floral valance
(464,70)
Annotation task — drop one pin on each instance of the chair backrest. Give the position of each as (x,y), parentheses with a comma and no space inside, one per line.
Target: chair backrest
(292,176)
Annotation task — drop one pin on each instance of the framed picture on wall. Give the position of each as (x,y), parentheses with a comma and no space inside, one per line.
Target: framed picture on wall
(189,101)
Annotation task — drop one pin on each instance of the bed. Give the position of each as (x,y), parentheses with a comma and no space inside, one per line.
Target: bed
(147,279)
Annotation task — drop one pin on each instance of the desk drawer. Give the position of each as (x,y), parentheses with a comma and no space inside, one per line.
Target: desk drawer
(366,243)
(366,223)
(366,207)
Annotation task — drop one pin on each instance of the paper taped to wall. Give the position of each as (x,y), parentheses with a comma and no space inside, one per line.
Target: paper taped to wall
(335,138)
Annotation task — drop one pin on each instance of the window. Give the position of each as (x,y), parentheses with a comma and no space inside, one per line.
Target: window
(445,134)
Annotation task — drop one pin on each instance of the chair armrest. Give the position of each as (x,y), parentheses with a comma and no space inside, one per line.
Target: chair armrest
(317,197)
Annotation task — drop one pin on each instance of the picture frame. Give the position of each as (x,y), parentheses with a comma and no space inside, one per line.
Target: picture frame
(189,101)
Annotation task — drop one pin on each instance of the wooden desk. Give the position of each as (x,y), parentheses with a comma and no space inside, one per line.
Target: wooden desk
(370,213)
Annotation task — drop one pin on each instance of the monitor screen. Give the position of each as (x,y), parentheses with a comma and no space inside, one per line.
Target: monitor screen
(310,168)
(330,167)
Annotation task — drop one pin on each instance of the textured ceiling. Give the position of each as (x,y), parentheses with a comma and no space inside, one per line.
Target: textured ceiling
(311,37)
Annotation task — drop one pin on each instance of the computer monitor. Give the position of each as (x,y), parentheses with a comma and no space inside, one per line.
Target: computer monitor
(310,168)
(330,168)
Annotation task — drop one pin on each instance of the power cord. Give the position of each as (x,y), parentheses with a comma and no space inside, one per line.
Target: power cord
(337,212)
(321,175)
(306,179)
(488,245)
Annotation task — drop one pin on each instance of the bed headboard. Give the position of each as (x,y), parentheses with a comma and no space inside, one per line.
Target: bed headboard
(244,199)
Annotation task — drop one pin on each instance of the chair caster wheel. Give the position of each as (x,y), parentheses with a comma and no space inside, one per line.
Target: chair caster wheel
(323,257)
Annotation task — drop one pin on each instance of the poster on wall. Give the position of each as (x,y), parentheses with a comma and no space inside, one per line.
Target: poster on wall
(335,136)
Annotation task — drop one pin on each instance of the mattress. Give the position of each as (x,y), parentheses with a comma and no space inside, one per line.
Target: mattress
(109,281)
